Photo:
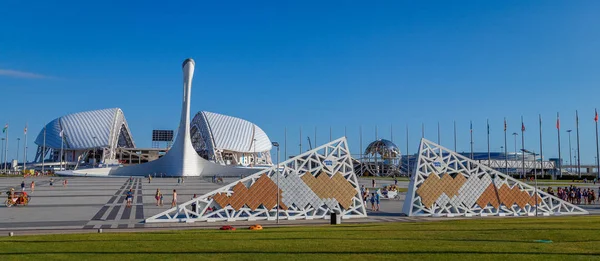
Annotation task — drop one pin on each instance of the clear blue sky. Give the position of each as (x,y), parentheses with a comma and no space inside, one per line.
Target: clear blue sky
(309,63)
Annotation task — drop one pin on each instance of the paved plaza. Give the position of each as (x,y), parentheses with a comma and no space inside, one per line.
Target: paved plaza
(92,203)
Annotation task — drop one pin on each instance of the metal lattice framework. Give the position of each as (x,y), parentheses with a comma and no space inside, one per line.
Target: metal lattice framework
(447,184)
(311,186)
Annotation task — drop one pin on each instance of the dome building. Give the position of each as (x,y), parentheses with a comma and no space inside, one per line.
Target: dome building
(381,158)
(90,136)
(228,140)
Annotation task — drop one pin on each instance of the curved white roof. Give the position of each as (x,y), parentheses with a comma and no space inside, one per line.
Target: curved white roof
(84,130)
(233,134)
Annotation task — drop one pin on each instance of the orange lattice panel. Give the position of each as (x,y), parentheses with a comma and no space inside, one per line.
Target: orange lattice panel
(262,192)
(336,187)
(433,187)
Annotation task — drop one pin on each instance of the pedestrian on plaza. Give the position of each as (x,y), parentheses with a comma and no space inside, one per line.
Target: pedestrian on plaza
(149,179)
(373,182)
(395,181)
(194,204)
(65,182)
(23,186)
(377,201)
(129,197)
(51,182)
(158,196)
(174,201)
(178,181)
(32,186)
(372,201)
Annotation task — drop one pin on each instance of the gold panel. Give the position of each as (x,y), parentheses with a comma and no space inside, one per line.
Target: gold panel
(336,187)
(262,192)
(433,187)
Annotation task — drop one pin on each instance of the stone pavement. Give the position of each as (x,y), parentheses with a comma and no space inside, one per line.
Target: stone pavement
(86,204)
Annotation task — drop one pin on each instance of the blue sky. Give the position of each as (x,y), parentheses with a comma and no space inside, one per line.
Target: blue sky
(310,63)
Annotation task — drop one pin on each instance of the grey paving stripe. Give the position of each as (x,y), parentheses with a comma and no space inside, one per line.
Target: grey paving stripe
(79,223)
(112,200)
(119,192)
(88,227)
(113,213)
(121,199)
(139,211)
(122,226)
(140,198)
(139,225)
(126,213)
(105,226)
(100,213)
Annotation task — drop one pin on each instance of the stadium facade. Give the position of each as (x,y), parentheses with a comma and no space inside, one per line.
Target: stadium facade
(210,144)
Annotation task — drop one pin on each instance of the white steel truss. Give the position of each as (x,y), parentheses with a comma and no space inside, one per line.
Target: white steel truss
(447,184)
(311,186)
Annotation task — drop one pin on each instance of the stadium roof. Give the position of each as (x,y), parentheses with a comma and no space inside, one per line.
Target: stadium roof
(231,133)
(90,129)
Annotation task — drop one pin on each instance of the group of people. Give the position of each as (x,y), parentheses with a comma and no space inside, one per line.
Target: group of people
(374,198)
(159,198)
(575,195)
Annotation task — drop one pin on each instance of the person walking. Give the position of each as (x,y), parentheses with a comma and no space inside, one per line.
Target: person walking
(373,182)
(372,201)
(32,186)
(129,197)
(377,199)
(23,186)
(149,179)
(158,196)
(51,182)
(194,204)
(174,201)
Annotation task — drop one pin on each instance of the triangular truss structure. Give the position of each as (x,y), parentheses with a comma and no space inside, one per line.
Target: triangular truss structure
(447,184)
(310,186)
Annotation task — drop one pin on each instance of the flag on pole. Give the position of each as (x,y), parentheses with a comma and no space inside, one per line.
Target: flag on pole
(488,127)
(471,128)
(596,117)
(5,128)
(557,122)
(25,130)
(522,126)
(504,124)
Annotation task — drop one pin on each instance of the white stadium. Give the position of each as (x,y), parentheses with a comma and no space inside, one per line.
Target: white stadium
(99,143)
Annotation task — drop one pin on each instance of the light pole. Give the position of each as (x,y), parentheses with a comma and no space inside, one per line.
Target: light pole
(515,136)
(94,162)
(17,158)
(570,156)
(254,158)
(2,153)
(276,144)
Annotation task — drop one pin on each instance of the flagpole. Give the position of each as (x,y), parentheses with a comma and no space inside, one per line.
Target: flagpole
(559,156)
(62,138)
(285,143)
(505,148)
(471,127)
(391,133)
(578,152)
(488,143)
(439,139)
(300,140)
(6,150)
(360,145)
(407,154)
(454,136)
(523,147)
(329,133)
(25,152)
(597,151)
(422,130)
(44,151)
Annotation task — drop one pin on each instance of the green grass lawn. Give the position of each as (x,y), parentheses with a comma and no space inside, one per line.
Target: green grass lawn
(573,238)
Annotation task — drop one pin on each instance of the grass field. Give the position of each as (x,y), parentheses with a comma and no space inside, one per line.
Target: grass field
(573,238)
